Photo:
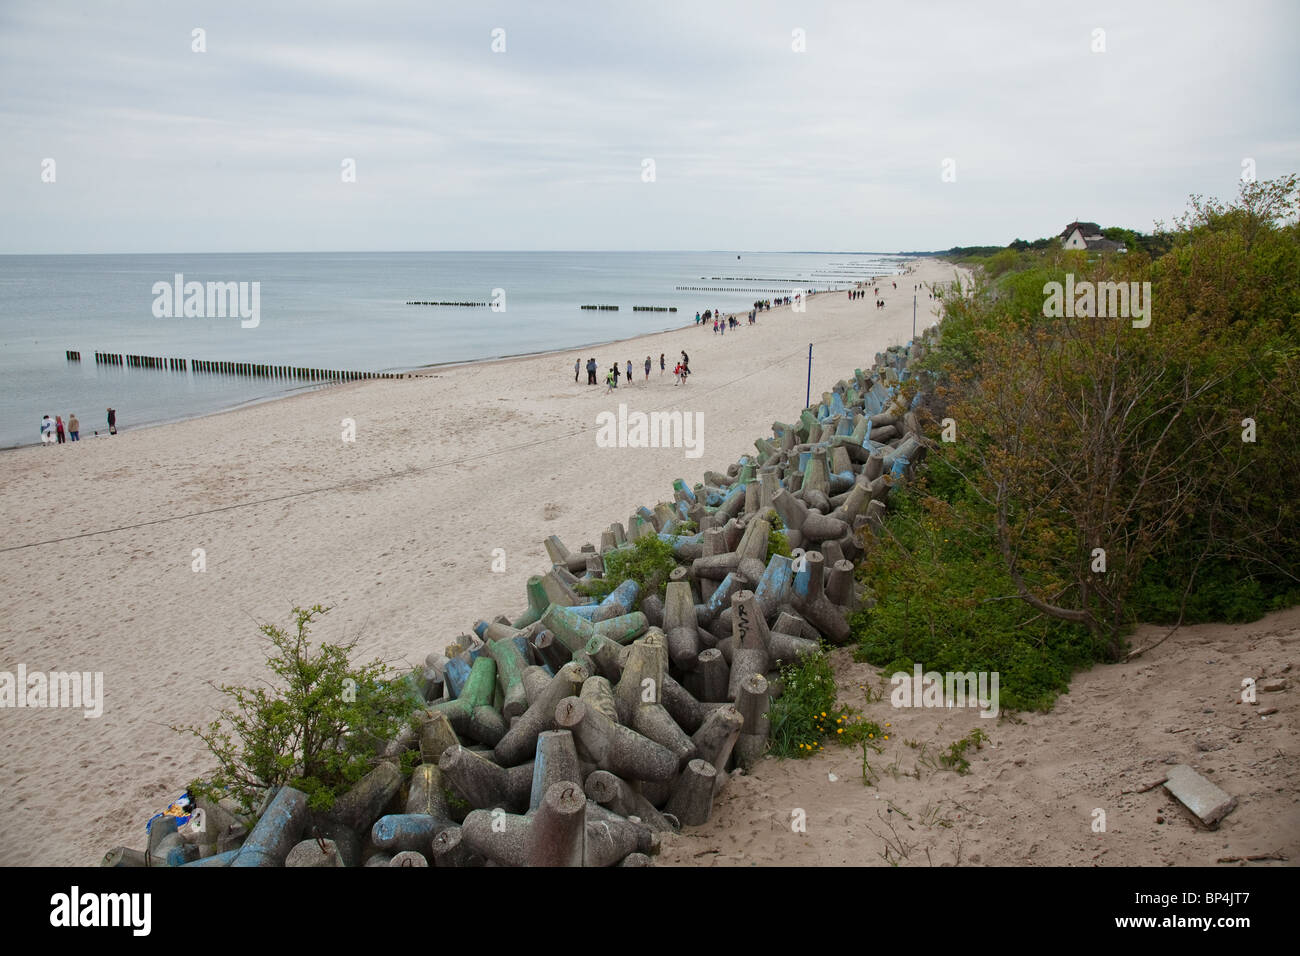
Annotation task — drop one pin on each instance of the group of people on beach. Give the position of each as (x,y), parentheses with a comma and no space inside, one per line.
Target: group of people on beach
(861,293)
(720,325)
(54,431)
(680,370)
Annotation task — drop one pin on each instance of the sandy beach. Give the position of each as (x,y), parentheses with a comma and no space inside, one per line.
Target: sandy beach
(395,531)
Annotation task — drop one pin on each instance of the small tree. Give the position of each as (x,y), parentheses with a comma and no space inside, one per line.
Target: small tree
(314,729)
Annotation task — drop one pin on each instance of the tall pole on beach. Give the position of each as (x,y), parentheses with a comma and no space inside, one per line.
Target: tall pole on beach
(913,316)
(808,398)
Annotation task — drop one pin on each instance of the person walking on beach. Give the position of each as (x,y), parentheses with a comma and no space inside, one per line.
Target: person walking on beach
(58,427)
(74,428)
(662,364)
(577,365)
(677,374)
(112,421)
(648,365)
(616,374)
(591,372)
(629,371)
(611,380)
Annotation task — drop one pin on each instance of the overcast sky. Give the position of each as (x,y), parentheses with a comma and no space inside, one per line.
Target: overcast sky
(755,146)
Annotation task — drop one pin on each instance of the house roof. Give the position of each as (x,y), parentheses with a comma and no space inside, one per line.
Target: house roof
(1104,245)
(1086,228)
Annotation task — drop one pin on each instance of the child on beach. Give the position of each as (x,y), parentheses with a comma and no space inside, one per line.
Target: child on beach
(611,382)
(58,426)
(629,371)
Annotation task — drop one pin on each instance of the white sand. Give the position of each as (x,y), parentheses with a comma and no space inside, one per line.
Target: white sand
(395,531)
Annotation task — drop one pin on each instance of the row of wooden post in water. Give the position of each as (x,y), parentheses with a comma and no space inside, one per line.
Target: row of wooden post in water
(579,731)
(635,308)
(251,369)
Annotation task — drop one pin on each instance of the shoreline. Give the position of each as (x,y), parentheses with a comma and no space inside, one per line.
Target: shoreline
(414,370)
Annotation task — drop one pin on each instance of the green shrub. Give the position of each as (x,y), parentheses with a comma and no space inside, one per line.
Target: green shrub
(807,699)
(941,601)
(777,543)
(648,562)
(314,727)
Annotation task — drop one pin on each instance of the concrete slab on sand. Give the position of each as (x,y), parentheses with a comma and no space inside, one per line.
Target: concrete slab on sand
(1207,801)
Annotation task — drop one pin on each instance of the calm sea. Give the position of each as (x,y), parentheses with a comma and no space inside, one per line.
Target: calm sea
(344,311)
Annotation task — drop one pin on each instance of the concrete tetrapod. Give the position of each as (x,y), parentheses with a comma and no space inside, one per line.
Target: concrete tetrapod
(574,631)
(478,691)
(717,737)
(436,735)
(511,663)
(399,832)
(426,793)
(598,693)
(409,858)
(680,624)
(482,783)
(709,680)
(750,633)
(551,836)
(820,611)
(813,526)
(687,710)
(521,740)
(612,791)
(753,703)
(314,853)
(692,797)
(277,831)
(613,747)
(610,837)
(640,682)
(451,850)
(555,762)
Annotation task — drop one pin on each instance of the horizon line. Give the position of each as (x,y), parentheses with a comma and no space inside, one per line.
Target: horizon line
(305,252)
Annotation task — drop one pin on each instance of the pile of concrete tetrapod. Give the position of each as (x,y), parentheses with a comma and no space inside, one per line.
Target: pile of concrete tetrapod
(579,731)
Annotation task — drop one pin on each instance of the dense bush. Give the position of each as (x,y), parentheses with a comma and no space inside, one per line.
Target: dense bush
(1103,473)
